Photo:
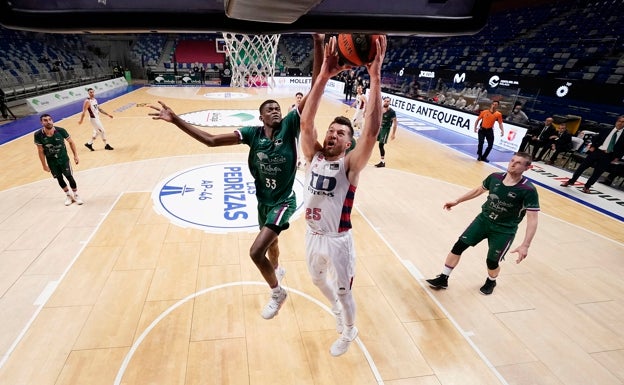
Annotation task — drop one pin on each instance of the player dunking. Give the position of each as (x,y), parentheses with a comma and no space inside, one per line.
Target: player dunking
(332,177)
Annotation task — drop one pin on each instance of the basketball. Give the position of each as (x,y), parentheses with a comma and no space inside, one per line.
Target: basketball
(356,49)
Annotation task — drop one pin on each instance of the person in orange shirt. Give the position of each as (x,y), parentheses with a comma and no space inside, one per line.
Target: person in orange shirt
(485,129)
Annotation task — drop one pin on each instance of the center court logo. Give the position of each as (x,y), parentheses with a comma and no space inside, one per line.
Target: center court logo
(216,198)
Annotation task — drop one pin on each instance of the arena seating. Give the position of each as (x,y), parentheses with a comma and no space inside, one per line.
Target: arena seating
(556,40)
(34,63)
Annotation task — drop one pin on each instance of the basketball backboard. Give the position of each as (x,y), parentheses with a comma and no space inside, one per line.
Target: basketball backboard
(396,17)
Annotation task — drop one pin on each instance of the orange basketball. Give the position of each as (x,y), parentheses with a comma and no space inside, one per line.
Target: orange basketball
(356,49)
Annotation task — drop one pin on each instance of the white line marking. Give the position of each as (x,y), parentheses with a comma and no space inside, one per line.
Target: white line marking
(139,340)
(419,278)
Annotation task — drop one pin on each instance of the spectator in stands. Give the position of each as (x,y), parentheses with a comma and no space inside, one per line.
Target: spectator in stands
(533,134)
(414,87)
(460,103)
(484,127)
(558,143)
(517,115)
(543,139)
(605,148)
(450,101)
(50,142)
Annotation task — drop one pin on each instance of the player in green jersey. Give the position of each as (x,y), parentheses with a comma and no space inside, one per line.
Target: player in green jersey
(510,196)
(50,141)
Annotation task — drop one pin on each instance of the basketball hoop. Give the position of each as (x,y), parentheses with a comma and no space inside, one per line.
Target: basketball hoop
(252,58)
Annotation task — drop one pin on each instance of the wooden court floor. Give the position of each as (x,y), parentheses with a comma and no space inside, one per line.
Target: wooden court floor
(111,292)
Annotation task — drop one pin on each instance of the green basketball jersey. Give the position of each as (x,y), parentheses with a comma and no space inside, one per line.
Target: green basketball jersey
(53,146)
(507,205)
(273,161)
(386,119)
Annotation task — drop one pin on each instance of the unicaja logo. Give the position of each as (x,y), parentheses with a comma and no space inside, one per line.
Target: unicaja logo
(494,81)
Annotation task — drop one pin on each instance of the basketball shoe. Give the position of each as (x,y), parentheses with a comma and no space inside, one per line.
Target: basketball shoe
(341,345)
(439,282)
(488,287)
(275,303)
(89,146)
(68,200)
(77,199)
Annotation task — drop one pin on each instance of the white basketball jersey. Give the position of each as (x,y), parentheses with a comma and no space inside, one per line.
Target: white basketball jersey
(94,112)
(328,196)
(360,102)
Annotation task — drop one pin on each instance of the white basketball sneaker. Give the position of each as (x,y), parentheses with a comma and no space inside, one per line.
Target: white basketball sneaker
(68,200)
(77,199)
(343,342)
(275,303)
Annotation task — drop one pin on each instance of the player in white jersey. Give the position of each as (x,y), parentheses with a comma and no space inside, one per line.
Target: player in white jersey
(331,179)
(91,106)
(360,108)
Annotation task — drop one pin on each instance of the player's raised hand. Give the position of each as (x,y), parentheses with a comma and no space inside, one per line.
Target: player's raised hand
(164,113)
(331,65)
(375,65)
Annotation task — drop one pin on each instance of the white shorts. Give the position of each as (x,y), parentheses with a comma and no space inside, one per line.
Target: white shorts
(358,117)
(331,254)
(98,128)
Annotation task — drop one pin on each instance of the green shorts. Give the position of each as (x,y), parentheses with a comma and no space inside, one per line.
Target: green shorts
(499,238)
(276,216)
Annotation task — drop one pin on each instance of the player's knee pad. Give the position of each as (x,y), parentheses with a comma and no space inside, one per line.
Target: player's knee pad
(492,265)
(459,247)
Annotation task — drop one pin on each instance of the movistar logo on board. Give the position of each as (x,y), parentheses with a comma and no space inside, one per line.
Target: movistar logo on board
(222,118)
(216,198)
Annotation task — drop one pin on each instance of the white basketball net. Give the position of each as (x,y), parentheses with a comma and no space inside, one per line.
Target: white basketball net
(252,58)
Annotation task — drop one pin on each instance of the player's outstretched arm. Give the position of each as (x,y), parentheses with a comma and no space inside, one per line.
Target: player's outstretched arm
(330,67)
(358,158)
(318,54)
(475,192)
(165,113)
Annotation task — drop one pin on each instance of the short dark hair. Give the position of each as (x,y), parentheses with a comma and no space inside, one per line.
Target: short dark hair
(269,101)
(526,156)
(43,116)
(343,120)
(90,89)
(299,93)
